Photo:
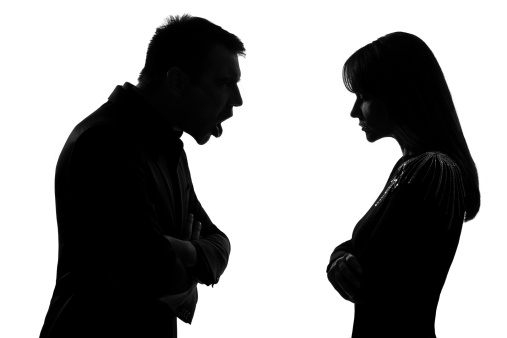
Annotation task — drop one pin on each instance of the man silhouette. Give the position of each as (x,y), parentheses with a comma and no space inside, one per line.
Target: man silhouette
(133,238)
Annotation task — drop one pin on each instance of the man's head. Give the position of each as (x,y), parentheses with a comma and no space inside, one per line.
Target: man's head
(191,72)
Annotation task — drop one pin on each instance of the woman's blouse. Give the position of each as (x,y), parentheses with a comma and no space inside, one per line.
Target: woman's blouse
(406,243)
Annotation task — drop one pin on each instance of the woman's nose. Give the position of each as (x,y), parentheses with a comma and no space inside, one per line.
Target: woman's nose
(356,110)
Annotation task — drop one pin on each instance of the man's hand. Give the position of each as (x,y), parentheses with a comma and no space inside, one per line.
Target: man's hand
(191,232)
(344,276)
(183,248)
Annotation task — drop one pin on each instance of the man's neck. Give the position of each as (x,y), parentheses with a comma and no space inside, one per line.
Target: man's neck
(154,103)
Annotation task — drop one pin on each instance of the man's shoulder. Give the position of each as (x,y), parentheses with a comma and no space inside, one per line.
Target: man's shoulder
(101,122)
(114,116)
(124,122)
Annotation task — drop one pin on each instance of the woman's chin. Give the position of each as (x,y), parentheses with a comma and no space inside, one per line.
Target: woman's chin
(371,137)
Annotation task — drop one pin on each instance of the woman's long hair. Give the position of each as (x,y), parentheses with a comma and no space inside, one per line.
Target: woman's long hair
(403,73)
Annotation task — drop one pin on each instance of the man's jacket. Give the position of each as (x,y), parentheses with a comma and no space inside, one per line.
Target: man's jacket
(123,183)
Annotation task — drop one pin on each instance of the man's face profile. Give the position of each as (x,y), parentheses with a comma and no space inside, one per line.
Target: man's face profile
(209,100)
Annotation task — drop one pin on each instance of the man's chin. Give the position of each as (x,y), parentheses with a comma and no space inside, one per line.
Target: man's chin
(203,139)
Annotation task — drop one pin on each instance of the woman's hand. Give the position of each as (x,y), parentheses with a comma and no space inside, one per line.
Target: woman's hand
(344,276)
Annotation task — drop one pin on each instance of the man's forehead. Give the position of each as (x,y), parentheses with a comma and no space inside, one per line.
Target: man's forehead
(224,63)
(230,70)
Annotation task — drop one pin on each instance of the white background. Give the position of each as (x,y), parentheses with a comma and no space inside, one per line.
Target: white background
(292,173)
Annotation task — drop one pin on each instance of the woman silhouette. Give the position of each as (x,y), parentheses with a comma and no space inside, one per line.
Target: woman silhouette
(395,265)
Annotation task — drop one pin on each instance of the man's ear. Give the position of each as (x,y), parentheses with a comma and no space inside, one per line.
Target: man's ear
(177,81)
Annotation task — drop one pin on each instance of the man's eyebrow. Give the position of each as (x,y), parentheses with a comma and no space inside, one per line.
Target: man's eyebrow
(230,78)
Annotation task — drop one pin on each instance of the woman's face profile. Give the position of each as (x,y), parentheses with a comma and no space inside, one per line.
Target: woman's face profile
(372,117)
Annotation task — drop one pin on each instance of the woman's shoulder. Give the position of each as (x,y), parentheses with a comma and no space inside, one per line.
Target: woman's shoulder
(437,176)
(432,167)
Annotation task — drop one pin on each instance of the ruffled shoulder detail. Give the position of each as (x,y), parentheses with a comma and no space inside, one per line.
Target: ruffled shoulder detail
(439,174)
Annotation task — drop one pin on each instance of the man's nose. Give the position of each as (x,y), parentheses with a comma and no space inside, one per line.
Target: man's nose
(236,99)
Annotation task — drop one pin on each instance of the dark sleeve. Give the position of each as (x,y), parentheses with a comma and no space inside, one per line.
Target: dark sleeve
(213,247)
(339,251)
(117,239)
(411,247)
(213,250)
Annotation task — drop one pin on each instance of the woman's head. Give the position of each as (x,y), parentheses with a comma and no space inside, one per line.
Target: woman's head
(401,74)
(401,71)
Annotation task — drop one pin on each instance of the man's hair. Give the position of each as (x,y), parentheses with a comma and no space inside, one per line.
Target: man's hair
(401,70)
(184,42)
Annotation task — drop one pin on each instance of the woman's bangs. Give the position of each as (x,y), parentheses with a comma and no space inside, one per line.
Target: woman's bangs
(357,73)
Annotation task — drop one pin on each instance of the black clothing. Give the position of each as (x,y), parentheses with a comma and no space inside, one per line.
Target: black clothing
(122,183)
(406,243)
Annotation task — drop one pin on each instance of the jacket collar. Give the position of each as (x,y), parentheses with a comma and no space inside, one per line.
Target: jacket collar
(144,122)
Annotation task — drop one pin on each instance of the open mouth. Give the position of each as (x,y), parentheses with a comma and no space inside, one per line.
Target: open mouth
(217,131)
